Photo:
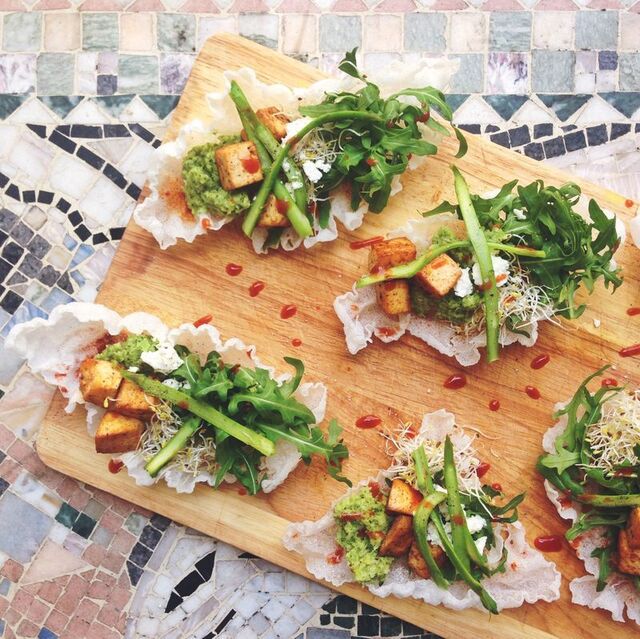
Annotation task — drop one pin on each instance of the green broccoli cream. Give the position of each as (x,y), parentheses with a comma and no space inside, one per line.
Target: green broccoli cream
(128,352)
(450,308)
(362,524)
(202,186)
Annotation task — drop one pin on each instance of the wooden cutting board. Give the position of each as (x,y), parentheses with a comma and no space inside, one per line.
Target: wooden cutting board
(399,381)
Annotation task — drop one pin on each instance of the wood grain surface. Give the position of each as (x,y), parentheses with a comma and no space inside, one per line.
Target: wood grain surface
(399,381)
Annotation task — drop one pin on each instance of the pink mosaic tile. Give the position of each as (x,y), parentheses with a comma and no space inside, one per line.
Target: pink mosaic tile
(28,629)
(200,6)
(22,601)
(37,612)
(12,570)
(100,631)
(249,6)
(6,437)
(50,591)
(351,6)
(396,6)
(296,6)
(56,621)
(19,450)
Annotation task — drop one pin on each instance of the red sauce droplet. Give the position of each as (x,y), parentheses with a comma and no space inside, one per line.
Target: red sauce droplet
(288,311)
(387,331)
(497,487)
(115,466)
(458,520)
(423,117)
(358,244)
(251,165)
(374,487)
(532,391)
(455,381)
(482,469)
(609,381)
(410,433)
(371,161)
(630,351)
(485,286)
(233,269)
(368,421)
(205,223)
(205,319)
(634,310)
(256,288)
(628,203)
(494,405)
(625,472)
(540,361)
(242,491)
(565,501)
(548,543)
(282,206)
(296,341)
(336,556)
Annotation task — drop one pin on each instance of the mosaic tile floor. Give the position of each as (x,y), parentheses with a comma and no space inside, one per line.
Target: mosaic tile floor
(84,99)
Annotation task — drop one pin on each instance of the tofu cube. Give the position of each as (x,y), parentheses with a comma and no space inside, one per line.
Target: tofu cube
(99,381)
(417,563)
(118,433)
(131,400)
(271,217)
(394,296)
(628,557)
(274,120)
(403,499)
(633,528)
(238,165)
(399,538)
(388,253)
(440,276)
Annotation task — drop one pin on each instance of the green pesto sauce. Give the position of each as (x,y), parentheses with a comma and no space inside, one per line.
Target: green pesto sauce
(450,308)
(444,236)
(361,548)
(202,186)
(128,352)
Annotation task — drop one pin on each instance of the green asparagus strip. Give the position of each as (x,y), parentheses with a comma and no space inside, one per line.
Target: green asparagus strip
(204,411)
(410,269)
(454,504)
(297,218)
(251,219)
(483,257)
(609,501)
(267,139)
(420,521)
(173,446)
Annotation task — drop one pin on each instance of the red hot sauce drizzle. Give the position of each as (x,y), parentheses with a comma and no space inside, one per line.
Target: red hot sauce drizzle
(548,543)
(532,391)
(251,165)
(358,244)
(205,319)
(336,556)
(629,351)
(368,421)
(115,466)
(482,469)
(256,288)
(634,310)
(454,382)
(608,382)
(494,405)
(497,487)
(288,311)
(296,341)
(540,361)
(233,269)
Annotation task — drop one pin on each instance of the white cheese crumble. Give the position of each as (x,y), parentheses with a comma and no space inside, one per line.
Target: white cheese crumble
(596,322)
(294,127)
(464,285)
(519,214)
(174,383)
(480,543)
(314,169)
(500,270)
(133,369)
(475,523)
(163,360)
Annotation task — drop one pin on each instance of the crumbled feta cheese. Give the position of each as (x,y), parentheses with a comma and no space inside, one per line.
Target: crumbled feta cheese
(519,213)
(133,369)
(163,360)
(464,285)
(432,534)
(500,270)
(480,543)
(314,169)
(294,127)
(596,322)
(174,383)
(475,523)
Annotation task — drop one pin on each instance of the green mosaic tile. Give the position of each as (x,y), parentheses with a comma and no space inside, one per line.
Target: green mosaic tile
(629,71)
(470,75)
(100,32)
(425,32)
(505,105)
(67,515)
(510,31)
(61,105)
(562,77)
(564,106)
(22,31)
(627,103)
(55,73)
(596,30)
(9,103)
(161,105)
(84,525)
(138,73)
(456,100)
(113,104)
(176,32)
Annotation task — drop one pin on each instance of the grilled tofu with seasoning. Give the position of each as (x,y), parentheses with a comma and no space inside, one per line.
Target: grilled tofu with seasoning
(403,499)
(418,565)
(118,433)
(399,537)
(439,276)
(238,165)
(99,381)
(271,217)
(393,295)
(132,401)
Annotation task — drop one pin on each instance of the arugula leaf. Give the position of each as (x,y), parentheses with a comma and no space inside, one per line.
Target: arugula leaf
(561,460)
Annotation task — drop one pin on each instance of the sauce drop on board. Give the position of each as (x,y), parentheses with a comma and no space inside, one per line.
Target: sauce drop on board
(358,244)
(368,421)
(548,543)
(609,381)
(336,556)
(296,341)
(455,381)
(629,351)
(628,203)
(115,466)
(233,269)
(634,310)
(288,311)
(494,405)
(532,391)
(256,288)
(540,361)
(482,469)
(242,491)
(205,319)
(497,487)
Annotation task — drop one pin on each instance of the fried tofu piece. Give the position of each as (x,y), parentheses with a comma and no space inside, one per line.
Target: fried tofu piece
(388,253)
(633,528)
(394,296)
(118,433)
(440,276)
(238,165)
(271,217)
(628,557)
(99,381)
(131,400)
(403,499)
(399,537)
(417,563)
(274,120)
